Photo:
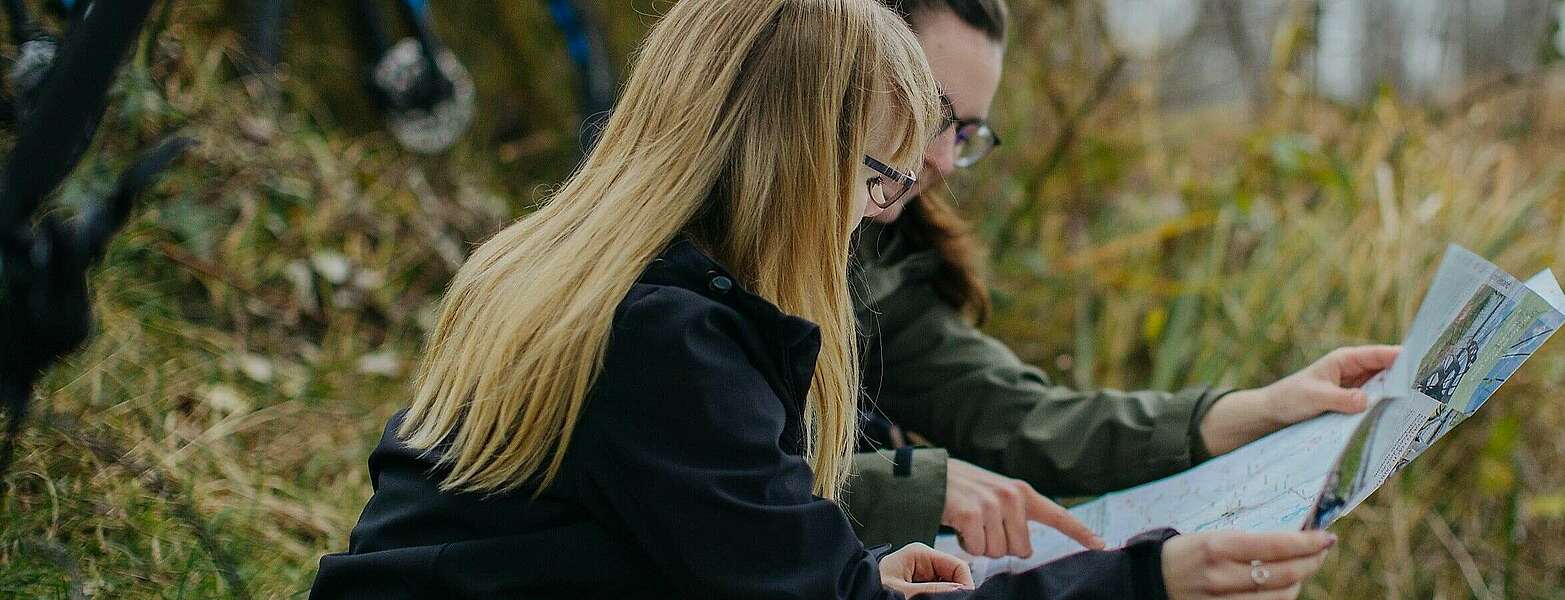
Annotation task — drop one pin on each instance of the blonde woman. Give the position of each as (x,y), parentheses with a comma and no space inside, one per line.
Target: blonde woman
(648,387)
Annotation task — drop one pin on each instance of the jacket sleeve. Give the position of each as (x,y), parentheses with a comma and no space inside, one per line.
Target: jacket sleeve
(897,496)
(692,468)
(939,376)
(690,462)
(1132,571)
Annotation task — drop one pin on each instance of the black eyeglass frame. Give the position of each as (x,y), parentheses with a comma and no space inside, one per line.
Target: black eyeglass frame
(905,181)
(981,128)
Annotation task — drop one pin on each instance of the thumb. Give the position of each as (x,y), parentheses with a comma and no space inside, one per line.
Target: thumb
(1327,397)
(951,569)
(931,565)
(1353,365)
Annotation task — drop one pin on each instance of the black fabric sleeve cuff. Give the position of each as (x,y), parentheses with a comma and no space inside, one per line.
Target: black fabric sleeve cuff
(1198,452)
(1146,559)
(1132,572)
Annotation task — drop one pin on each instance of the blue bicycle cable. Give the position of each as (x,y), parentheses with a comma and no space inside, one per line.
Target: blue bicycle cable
(586,51)
(571,24)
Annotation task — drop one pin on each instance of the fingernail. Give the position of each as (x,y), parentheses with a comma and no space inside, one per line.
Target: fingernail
(1331,540)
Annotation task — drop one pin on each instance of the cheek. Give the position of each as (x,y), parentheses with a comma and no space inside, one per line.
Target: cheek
(860,194)
(860,201)
(862,208)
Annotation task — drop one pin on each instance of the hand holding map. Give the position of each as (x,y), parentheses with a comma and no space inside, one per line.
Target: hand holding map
(1474,329)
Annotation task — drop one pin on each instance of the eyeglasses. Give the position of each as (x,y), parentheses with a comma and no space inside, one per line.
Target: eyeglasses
(890,185)
(974,139)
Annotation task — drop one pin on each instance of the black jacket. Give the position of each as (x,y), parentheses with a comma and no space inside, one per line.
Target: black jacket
(684,479)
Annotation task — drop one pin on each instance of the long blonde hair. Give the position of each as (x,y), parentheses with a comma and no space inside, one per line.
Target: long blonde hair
(743,125)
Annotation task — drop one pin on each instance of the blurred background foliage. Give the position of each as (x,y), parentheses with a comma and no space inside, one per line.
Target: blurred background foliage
(1218,201)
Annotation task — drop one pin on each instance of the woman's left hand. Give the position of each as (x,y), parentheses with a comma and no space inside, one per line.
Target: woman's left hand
(918,569)
(1232,564)
(1329,385)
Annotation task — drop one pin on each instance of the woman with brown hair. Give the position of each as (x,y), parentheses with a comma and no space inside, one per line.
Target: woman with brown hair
(1002,431)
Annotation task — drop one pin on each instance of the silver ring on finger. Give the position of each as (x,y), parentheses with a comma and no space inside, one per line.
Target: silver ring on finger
(1259,574)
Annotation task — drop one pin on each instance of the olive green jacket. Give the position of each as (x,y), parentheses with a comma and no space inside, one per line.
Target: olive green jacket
(931,372)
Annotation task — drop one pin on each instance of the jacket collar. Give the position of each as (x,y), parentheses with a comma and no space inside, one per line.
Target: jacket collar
(684,265)
(886,260)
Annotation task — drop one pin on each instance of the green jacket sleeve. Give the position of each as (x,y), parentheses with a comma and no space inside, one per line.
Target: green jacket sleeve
(935,374)
(895,499)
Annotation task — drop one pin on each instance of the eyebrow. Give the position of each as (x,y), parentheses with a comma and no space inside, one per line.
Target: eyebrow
(948,108)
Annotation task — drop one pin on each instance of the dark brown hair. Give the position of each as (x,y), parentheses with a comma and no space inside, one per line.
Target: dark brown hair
(989,16)
(931,220)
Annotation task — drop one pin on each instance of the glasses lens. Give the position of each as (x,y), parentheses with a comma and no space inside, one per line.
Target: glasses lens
(877,191)
(973,143)
(894,193)
(890,185)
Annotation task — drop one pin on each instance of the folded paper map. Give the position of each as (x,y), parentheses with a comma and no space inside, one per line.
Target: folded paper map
(1476,326)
